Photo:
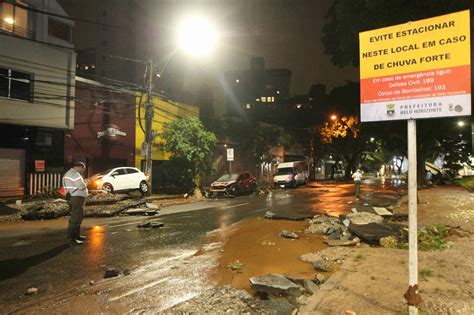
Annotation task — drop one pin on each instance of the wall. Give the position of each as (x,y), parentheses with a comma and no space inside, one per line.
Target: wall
(53,91)
(99,107)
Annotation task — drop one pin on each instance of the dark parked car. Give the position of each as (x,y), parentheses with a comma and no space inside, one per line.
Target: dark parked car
(234,184)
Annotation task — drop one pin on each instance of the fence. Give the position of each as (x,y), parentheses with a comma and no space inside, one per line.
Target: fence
(43,182)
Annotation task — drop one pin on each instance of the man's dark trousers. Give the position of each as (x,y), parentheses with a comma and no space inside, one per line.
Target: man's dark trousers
(77,214)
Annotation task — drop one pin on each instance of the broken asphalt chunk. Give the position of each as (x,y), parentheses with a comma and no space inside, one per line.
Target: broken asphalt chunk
(288,234)
(275,284)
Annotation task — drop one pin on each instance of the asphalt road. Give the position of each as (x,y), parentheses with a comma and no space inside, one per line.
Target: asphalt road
(166,265)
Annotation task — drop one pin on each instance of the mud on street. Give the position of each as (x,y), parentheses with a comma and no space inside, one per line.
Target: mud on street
(166,265)
(203,245)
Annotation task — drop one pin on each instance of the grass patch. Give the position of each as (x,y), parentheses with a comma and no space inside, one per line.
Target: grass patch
(466,182)
(432,237)
(425,273)
(359,257)
(236,266)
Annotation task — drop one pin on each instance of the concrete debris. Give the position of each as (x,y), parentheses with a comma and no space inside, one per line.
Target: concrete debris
(287,215)
(383,212)
(310,286)
(373,232)
(320,278)
(151,224)
(111,273)
(341,242)
(219,301)
(324,224)
(276,285)
(140,212)
(288,234)
(322,265)
(389,242)
(152,206)
(32,291)
(362,218)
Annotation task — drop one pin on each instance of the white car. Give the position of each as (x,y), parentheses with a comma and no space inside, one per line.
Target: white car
(119,179)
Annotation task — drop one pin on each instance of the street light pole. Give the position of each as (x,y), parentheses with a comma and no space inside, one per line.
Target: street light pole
(149,113)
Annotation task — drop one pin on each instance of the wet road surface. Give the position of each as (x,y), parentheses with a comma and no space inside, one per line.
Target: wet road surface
(167,265)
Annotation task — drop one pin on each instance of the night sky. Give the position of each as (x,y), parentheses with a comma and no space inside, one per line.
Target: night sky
(286,33)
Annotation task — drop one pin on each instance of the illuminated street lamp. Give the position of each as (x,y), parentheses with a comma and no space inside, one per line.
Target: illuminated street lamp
(461,123)
(333,117)
(197,36)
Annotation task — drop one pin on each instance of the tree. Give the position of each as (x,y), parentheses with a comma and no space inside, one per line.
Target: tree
(341,139)
(341,40)
(190,145)
(265,139)
(456,154)
(348,18)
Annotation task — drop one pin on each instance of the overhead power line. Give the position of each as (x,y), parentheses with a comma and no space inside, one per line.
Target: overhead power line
(65,16)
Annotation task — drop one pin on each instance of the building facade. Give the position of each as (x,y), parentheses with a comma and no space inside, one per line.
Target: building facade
(37,71)
(104,128)
(165,111)
(256,90)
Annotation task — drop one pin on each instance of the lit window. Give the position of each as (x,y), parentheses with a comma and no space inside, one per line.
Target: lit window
(299,106)
(16,84)
(248,106)
(264,99)
(257,99)
(273,99)
(14,19)
(237,80)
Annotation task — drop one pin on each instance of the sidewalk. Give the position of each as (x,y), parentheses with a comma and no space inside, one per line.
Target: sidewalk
(375,279)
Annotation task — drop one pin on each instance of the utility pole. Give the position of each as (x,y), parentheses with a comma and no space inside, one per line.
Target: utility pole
(149,113)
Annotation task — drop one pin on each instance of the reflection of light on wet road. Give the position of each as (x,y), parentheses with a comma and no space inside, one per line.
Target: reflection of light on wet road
(95,245)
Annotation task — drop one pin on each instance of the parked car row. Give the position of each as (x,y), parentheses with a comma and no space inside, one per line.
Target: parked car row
(125,179)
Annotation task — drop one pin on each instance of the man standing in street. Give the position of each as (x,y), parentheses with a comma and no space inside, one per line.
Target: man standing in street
(357,176)
(76,191)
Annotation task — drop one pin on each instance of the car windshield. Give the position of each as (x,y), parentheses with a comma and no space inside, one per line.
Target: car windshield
(228,177)
(285,171)
(104,173)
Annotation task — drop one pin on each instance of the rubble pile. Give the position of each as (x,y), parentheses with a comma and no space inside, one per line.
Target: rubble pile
(109,210)
(55,208)
(44,209)
(101,197)
(350,229)
(217,301)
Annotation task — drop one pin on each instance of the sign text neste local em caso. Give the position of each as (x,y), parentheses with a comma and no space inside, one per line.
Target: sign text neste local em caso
(416,70)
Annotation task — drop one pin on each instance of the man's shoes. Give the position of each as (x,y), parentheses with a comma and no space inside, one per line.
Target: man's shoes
(81,238)
(75,242)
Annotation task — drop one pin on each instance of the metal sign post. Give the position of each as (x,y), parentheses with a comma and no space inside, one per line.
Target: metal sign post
(412,218)
(416,70)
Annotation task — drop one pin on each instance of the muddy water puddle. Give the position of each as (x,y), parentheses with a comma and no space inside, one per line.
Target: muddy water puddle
(255,246)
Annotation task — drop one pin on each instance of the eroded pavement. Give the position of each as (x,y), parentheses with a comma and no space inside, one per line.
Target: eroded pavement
(166,266)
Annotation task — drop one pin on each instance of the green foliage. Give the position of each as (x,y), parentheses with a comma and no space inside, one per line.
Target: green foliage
(348,18)
(190,145)
(267,137)
(236,266)
(359,257)
(433,237)
(456,153)
(425,273)
(466,182)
